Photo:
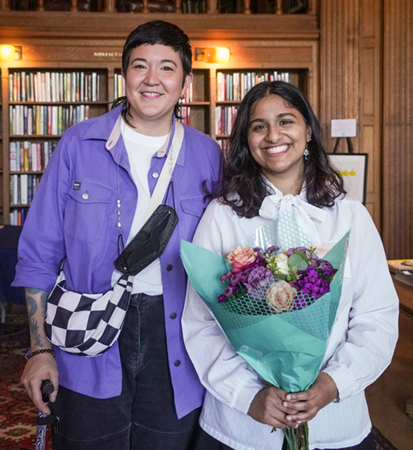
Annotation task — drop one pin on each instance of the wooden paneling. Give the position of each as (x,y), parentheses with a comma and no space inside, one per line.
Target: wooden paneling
(398,128)
(350,81)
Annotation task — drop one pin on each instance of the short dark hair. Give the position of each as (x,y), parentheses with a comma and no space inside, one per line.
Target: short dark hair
(162,33)
(242,174)
(157,32)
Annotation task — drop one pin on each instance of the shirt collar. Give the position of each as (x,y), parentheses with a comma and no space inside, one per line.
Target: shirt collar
(162,152)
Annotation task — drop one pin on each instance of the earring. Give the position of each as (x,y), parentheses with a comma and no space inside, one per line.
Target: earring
(306,152)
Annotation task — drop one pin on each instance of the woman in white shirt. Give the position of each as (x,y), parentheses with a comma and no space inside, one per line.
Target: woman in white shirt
(276,162)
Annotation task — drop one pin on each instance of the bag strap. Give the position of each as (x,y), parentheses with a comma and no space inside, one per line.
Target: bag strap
(167,170)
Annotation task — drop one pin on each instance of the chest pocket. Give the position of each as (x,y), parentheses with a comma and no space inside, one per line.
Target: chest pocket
(86,211)
(193,208)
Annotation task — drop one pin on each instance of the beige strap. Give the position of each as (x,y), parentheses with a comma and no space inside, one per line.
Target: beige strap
(167,170)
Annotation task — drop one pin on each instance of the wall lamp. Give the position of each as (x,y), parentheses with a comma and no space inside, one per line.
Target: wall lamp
(217,55)
(10,53)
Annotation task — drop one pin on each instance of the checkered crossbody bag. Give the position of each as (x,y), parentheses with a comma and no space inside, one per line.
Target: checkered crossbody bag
(89,324)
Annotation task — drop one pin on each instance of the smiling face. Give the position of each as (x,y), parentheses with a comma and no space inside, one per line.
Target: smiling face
(277,136)
(154,82)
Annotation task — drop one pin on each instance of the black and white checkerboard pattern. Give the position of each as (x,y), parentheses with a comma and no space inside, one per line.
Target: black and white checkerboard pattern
(87,325)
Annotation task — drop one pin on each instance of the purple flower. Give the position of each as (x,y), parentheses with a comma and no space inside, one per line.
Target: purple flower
(228,291)
(235,278)
(260,276)
(327,268)
(221,298)
(272,249)
(226,276)
(300,249)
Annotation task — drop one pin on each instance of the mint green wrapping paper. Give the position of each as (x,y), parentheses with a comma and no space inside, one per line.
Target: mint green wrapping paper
(285,349)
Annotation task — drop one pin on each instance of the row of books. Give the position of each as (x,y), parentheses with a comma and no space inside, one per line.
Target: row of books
(188,96)
(223,144)
(54,86)
(194,6)
(30,156)
(186,115)
(224,119)
(18,216)
(119,85)
(22,188)
(45,120)
(234,86)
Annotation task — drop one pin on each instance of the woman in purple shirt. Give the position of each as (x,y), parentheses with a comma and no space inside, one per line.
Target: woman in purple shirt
(143,393)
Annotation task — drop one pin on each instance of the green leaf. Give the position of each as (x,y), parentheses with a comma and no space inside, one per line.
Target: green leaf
(280,276)
(302,254)
(295,261)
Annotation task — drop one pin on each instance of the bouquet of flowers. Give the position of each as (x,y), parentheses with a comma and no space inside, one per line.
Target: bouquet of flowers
(276,306)
(293,278)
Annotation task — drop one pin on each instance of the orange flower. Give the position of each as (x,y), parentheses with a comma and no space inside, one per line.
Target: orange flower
(280,296)
(240,257)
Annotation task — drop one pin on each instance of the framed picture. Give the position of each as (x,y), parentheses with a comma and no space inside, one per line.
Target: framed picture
(353,168)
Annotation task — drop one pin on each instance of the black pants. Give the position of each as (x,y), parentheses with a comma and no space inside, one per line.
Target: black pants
(143,417)
(367,444)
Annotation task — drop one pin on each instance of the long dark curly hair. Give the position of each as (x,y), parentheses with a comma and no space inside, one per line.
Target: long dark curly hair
(243,186)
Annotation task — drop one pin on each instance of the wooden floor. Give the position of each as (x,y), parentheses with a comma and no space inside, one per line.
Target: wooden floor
(388,395)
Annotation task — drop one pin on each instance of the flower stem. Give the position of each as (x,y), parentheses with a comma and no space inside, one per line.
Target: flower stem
(297,438)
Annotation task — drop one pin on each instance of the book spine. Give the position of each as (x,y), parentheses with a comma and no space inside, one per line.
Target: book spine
(23,189)
(12,157)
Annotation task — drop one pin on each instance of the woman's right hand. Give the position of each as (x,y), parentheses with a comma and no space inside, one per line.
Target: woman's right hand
(41,367)
(267,407)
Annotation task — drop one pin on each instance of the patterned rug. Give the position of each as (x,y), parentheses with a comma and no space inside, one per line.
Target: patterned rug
(17,413)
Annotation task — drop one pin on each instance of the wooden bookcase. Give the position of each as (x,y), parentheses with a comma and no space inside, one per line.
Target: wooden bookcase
(93,42)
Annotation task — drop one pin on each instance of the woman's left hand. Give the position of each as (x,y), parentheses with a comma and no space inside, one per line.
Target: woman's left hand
(308,403)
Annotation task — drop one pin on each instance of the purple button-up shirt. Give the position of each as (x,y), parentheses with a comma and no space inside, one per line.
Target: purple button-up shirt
(74,216)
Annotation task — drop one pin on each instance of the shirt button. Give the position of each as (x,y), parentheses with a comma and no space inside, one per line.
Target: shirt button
(173,316)
(169,267)
(85,195)
(155,175)
(177,363)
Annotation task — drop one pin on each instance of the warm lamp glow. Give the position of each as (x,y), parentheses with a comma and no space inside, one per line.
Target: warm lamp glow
(7,53)
(216,55)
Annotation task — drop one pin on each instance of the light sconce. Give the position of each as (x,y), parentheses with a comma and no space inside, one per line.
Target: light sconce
(9,53)
(216,55)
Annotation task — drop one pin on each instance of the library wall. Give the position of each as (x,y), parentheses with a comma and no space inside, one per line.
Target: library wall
(398,128)
(350,79)
(356,56)
(34,118)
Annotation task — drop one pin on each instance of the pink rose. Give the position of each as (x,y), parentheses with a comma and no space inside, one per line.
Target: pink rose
(240,257)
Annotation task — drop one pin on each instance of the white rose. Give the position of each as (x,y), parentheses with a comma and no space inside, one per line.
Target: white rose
(282,263)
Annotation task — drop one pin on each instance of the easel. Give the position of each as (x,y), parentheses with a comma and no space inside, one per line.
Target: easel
(349,145)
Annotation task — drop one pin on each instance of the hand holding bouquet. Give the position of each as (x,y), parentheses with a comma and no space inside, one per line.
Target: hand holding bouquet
(276,307)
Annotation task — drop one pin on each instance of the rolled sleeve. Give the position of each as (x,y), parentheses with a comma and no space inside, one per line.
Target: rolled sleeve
(41,245)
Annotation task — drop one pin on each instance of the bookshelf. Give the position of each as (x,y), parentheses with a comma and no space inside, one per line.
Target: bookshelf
(43,103)
(92,44)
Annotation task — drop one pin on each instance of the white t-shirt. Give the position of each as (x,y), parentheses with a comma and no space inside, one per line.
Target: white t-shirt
(359,348)
(140,149)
